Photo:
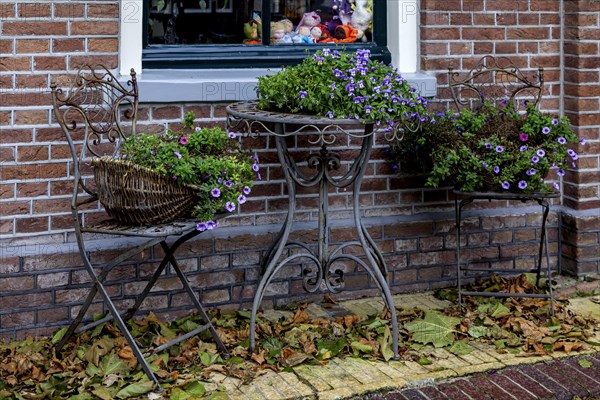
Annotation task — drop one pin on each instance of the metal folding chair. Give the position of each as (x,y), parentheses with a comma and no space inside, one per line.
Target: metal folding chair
(95,114)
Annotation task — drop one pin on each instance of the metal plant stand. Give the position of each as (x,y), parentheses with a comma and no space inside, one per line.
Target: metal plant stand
(246,117)
(542,200)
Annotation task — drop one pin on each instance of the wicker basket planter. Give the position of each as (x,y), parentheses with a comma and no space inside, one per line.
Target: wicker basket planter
(136,195)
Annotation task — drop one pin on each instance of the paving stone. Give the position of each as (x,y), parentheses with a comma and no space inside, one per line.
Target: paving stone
(524,381)
(581,376)
(563,378)
(446,359)
(365,371)
(338,377)
(467,387)
(452,391)
(514,389)
(292,380)
(413,394)
(395,374)
(483,367)
(432,393)
(265,384)
(537,375)
(494,391)
(335,394)
(308,375)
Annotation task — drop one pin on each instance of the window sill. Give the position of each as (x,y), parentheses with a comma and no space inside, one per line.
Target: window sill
(216,85)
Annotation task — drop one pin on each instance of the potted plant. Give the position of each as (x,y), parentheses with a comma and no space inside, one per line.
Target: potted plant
(207,160)
(341,85)
(492,149)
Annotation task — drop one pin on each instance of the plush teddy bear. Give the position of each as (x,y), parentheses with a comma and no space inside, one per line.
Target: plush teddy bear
(309,20)
(361,18)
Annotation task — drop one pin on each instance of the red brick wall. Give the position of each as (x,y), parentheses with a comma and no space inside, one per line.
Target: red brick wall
(41,279)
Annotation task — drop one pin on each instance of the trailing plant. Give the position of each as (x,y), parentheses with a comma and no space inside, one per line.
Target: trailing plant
(208,158)
(492,149)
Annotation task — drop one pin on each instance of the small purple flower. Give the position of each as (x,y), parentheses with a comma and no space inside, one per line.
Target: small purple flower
(545,130)
(246,190)
(535,159)
(228,183)
(554,122)
(231,135)
(350,87)
(574,156)
(211,225)
(484,164)
(241,199)
(255,167)
(197,129)
(303,94)
(531,171)
(555,186)
(230,206)
(174,177)
(505,185)
(499,149)
(541,153)
(562,140)
(488,146)
(201,226)
(524,137)
(177,154)
(496,170)
(522,185)
(215,192)
(523,148)
(570,152)
(560,172)
(258,176)
(330,114)
(582,140)
(183,140)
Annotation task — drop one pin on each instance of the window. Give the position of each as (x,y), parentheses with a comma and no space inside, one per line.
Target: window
(194,34)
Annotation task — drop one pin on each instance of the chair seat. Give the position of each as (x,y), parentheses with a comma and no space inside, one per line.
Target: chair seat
(112,227)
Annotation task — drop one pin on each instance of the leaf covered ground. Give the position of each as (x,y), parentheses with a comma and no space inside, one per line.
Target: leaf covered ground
(99,364)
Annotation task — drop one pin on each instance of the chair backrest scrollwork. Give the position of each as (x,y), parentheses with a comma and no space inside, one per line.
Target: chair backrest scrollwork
(95,113)
(495,80)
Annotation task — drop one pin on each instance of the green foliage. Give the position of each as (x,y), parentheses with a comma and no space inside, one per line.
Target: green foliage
(209,159)
(489,149)
(340,85)
(434,328)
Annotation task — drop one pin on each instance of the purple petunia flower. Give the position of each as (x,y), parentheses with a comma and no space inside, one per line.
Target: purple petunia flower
(574,156)
(197,129)
(499,149)
(496,169)
(229,206)
(541,153)
(231,135)
(531,171)
(488,146)
(505,185)
(555,122)
(216,192)
(570,152)
(582,140)
(484,164)
(246,190)
(241,199)
(228,183)
(535,159)
(562,140)
(177,154)
(201,226)
(522,185)
(255,167)
(545,130)
(560,172)
(555,186)
(183,140)
(523,137)
(211,225)
(523,148)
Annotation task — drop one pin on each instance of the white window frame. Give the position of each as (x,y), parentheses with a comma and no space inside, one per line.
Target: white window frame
(238,84)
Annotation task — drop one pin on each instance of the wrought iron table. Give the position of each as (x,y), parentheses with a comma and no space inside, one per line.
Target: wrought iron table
(246,117)
(542,200)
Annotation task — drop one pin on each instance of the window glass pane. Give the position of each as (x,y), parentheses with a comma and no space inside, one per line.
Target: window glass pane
(202,21)
(222,22)
(321,21)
